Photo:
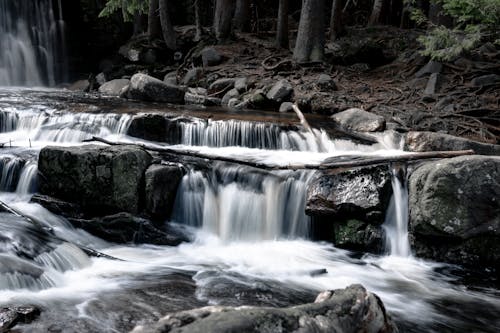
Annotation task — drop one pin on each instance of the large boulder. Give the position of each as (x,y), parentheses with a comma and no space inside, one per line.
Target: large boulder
(147,88)
(155,127)
(280,92)
(359,120)
(96,177)
(344,310)
(162,182)
(455,210)
(114,87)
(431,141)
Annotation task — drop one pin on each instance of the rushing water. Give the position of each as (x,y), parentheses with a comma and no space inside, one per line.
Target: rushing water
(249,235)
(32,43)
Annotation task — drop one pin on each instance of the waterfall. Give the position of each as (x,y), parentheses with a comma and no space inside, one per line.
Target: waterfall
(396,222)
(32,43)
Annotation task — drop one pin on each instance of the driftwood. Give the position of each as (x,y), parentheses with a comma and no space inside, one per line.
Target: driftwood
(345,161)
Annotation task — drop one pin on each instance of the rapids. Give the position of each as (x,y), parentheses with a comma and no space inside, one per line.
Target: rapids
(249,234)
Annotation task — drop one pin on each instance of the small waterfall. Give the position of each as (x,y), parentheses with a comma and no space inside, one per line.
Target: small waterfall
(238,203)
(28,179)
(10,170)
(396,222)
(32,43)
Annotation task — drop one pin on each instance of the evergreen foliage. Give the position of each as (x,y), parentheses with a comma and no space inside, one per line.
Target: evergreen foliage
(127,7)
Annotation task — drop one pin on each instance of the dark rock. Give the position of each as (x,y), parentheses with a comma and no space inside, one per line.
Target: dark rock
(433,84)
(350,194)
(95,177)
(193,77)
(221,86)
(455,209)
(151,127)
(57,206)
(162,182)
(326,83)
(257,99)
(359,120)
(286,107)
(210,57)
(233,93)
(126,228)
(11,316)
(485,80)
(343,310)
(430,68)
(114,87)
(431,141)
(147,88)
(280,92)
(355,235)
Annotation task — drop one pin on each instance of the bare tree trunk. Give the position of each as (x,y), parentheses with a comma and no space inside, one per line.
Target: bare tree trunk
(197,19)
(336,28)
(166,25)
(222,19)
(137,23)
(376,12)
(154,25)
(310,43)
(438,16)
(282,29)
(242,15)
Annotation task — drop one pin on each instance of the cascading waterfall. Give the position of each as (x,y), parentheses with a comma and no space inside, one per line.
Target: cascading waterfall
(32,49)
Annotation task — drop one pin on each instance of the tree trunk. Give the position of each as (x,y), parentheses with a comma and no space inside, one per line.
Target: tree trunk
(137,23)
(282,29)
(242,15)
(197,18)
(437,15)
(336,28)
(222,19)
(310,43)
(376,12)
(166,25)
(154,25)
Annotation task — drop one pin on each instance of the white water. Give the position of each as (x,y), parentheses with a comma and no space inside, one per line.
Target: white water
(32,43)
(249,229)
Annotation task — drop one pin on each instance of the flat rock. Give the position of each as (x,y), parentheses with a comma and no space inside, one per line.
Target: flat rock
(147,88)
(114,87)
(359,120)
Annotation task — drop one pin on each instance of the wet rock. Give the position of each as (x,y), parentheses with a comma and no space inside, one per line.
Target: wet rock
(151,127)
(233,93)
(147,88)
(431,141)
(359,236)
(455,210)
(221,86)
(348,310)
(80,85)
(193,77)
(11,316)
(485,80)
(280,92)
(286,107)
(162,182)
(57,206)
(97,178)
(350,194)
(114,87)
(241,84)
(326,83)
(210,57)
(125,228)
(430,68)
(359,120)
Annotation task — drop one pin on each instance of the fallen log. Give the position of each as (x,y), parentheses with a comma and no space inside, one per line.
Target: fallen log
(336,162)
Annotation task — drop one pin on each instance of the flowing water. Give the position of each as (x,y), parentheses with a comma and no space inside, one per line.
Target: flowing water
(250,237)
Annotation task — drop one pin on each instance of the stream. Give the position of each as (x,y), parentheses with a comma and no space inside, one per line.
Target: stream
(250,235)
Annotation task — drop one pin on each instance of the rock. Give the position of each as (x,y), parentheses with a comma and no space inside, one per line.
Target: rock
(455,210)
(162,182)
(170,78)
(193,77)
(130,53)
(286,107)
(97,178)
(101,78)
(210,57)
(114,87)
(430,68)
(147,88)
(343,310)
(125,228)
(431,141)
(485,80)
(80,85)
(233,93)
(221,86)
(11,316)
(355,235)
(326,83)
(280,92)
(359,120)
(195,99)
(241,84)
(257,99)
(57,206)
(433,84)
(155,127)
(350,194)
(198,91)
